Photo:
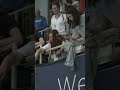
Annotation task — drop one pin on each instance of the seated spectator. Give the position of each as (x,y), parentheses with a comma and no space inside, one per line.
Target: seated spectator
(54,40)
(16,57)
(40,21)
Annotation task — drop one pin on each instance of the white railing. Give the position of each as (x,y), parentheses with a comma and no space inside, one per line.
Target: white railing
(44,32)
(81,41)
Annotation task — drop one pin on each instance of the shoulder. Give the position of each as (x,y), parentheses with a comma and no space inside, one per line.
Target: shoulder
(53,16)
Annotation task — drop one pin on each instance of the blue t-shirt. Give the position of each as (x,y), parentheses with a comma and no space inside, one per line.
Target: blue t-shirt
(6,24)
(40,23)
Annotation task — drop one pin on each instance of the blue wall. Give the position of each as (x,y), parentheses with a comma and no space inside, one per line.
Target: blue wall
(54,76)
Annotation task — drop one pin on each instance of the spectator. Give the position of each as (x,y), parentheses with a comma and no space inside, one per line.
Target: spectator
(54,40)
(74,32)
(58,20)
(40,21)
(9,32)
(65,49)
(19,55)
(74,23)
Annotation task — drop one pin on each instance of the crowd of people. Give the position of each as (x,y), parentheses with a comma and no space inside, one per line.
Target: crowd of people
(67,29)
(70,28)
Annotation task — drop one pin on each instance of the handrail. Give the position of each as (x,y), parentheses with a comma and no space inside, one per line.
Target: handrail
(40,58)
(45,29)
(81,40)
(57,47)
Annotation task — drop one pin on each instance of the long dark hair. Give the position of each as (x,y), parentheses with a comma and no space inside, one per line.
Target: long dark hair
(76,16)
(57,39)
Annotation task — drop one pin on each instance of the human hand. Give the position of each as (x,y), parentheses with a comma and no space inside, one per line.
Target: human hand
(38,52)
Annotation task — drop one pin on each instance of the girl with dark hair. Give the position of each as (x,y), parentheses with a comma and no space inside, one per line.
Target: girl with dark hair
(74,22)
(54,40)
(75,32)
(73,16)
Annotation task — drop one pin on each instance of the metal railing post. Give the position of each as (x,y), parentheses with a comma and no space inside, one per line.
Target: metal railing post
(40,58)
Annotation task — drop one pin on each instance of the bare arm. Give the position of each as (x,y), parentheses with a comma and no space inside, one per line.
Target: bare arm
(41,41)
(77,36)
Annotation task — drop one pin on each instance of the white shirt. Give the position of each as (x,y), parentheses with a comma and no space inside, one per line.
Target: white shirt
(48,46)
(59,23)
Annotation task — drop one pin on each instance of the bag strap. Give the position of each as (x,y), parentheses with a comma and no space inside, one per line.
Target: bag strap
(64,23)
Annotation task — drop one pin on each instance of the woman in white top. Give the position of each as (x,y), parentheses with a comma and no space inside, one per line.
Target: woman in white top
(58,20)
(54,40)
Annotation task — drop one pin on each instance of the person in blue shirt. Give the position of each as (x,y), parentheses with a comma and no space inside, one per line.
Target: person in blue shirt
(40,21)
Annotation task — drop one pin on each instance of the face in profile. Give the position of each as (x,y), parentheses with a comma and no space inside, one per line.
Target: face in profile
(55,9)
(51,37)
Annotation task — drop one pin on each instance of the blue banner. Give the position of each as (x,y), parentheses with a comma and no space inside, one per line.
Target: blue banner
(57,76)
